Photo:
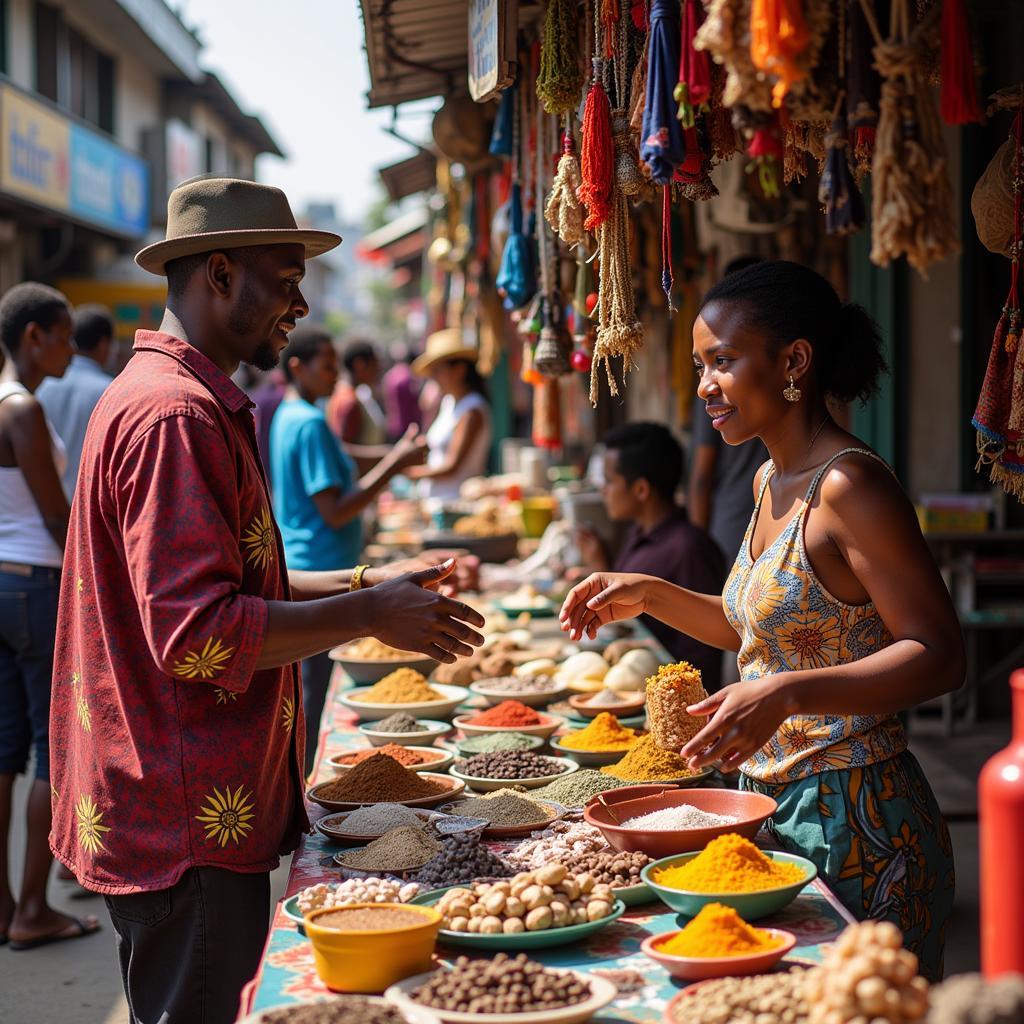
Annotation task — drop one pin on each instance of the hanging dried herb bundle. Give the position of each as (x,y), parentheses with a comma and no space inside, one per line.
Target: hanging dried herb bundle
(912,199)
(560,79)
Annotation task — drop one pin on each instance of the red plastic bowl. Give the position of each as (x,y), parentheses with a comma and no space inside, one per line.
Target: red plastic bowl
(691,968)
(750,810)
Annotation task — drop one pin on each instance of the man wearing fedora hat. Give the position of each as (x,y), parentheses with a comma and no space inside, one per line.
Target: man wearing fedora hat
(176,725)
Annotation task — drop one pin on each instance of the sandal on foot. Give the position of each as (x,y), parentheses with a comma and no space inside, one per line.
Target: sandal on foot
(76,929)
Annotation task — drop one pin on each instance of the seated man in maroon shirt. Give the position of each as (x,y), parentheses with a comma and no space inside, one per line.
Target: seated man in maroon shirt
(643,468)
(176,725)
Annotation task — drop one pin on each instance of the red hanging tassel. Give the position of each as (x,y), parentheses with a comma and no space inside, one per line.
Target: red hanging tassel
(638,12)
(767,152)
(597,157)
(694,88)
(959,102)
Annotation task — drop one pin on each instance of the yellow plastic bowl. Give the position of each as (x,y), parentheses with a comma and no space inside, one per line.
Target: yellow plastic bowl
(370,961)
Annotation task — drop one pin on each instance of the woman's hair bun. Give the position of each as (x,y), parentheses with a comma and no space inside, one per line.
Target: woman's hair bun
(854,365)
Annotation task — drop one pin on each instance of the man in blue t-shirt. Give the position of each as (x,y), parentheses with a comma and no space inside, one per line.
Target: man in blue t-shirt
(319,497)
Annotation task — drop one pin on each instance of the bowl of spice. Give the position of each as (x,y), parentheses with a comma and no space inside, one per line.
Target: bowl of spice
(678,820)
(505,989)
(509,714)
(507,814)
(381,779)
(346,894)
(405,730)
(462,858)
(645,761)
(343,1010)
(576,789)
(533,691)
(732,871)
(419,759)
(622,871)
(399,852)
(493,742)
(488,772)
(776,998)
(718,943)
(404,690)
(357,828)
(604,741)
(590,705)
(369,946)
(367,660)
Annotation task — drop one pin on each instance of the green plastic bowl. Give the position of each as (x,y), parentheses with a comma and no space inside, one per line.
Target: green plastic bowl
(749,905)
(523,940)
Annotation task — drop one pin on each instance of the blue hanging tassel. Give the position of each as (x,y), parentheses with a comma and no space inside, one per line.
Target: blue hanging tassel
(501,133)
(514,277)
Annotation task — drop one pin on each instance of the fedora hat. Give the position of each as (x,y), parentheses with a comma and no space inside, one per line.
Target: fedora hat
(450,343)
(204,214)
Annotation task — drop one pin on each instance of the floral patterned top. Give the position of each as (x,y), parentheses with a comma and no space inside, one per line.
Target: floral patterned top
(169,748)
(787,621)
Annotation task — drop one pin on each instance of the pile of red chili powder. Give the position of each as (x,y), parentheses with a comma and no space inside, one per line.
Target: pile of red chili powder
(509,714)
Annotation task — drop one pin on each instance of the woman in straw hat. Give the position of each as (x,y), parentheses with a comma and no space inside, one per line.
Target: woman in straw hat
(459,439)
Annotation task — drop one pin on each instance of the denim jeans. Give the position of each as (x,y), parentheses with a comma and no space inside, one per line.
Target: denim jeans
(28,630)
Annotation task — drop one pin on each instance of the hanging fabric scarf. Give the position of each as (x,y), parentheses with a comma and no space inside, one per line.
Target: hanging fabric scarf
(999,417)
(661,146)
(693,90)
(560,80)
(959,101)
(778,38)
(515,280)
(911,196)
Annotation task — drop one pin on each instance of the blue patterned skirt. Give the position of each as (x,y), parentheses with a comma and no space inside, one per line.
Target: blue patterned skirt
(879,841)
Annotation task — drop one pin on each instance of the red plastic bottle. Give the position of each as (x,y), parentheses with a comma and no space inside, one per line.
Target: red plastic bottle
(1001,848)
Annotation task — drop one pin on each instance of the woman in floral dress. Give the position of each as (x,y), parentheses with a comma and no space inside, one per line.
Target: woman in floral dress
(834,604)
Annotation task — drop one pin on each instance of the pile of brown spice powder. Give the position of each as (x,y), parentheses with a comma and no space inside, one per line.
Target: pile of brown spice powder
(379,779)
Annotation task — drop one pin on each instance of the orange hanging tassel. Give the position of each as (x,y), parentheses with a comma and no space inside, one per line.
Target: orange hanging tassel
(597,158)
(778,38)
(959,100)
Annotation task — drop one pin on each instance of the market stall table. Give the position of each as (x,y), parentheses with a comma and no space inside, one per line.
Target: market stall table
(287,975)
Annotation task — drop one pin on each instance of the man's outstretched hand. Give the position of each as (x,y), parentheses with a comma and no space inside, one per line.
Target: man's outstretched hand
(411,615)
(466,576)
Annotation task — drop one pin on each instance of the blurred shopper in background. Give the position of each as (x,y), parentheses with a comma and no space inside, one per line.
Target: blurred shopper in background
(68,401)
(643,468)
(36,329)
(401,394)
(319,497)
(353,411)
(459,437)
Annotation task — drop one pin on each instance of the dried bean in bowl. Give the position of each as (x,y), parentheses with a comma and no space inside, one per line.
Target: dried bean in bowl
(502,984)
(511,764)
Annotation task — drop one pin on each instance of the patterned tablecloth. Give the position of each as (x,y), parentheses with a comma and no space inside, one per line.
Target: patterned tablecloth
(287,974)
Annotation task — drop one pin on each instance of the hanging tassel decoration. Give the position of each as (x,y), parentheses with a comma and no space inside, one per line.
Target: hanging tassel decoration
(667,277)
(778,38)
(619,331)
(958,103)
(693,91)
(661,147)
(562,210)
(638,12)
(502,132)
(837,191)
(560,79)
(513,280)
(767,153)
(554,347)
(547,414)
(863,86)
(597,159)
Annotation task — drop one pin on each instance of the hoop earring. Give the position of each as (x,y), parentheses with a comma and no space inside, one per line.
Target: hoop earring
(792,393)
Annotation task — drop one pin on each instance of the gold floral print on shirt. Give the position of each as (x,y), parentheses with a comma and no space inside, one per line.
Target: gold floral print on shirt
(225,696)
(81,704)
(227,815)
(288,713)
(90,827)
(204,664)
(259,540)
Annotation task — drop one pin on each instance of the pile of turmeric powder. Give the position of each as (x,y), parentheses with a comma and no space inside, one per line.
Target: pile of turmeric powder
(605,732)
(647,762)
(729,864)
(403,686)
(718,931)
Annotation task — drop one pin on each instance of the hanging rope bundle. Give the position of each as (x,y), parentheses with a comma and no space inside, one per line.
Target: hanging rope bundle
(999,416)
(560,80)
(597,160)
(661,139)
(912,199)
(778,39)
(837,191)
(959,100)
(693,90)
(563,210)
(619,332)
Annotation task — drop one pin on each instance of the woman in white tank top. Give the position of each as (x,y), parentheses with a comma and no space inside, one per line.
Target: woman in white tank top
(35,328)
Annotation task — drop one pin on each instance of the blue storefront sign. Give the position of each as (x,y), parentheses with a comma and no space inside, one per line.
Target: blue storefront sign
(108,185)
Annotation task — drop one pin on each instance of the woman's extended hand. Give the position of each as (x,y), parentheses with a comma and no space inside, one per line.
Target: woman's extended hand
(602,598)
(410,615)
(744,717)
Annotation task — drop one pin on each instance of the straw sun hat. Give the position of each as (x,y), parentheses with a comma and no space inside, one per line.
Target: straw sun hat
(205,214)
(451,343)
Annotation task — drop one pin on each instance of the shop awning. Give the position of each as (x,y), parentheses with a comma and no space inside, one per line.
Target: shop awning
(397,241)
(415,49)
(407,177)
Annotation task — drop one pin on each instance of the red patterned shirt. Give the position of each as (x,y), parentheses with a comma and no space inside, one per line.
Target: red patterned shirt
(169,750)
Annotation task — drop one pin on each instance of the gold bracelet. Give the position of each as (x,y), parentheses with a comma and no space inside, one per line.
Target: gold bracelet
(357,577)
